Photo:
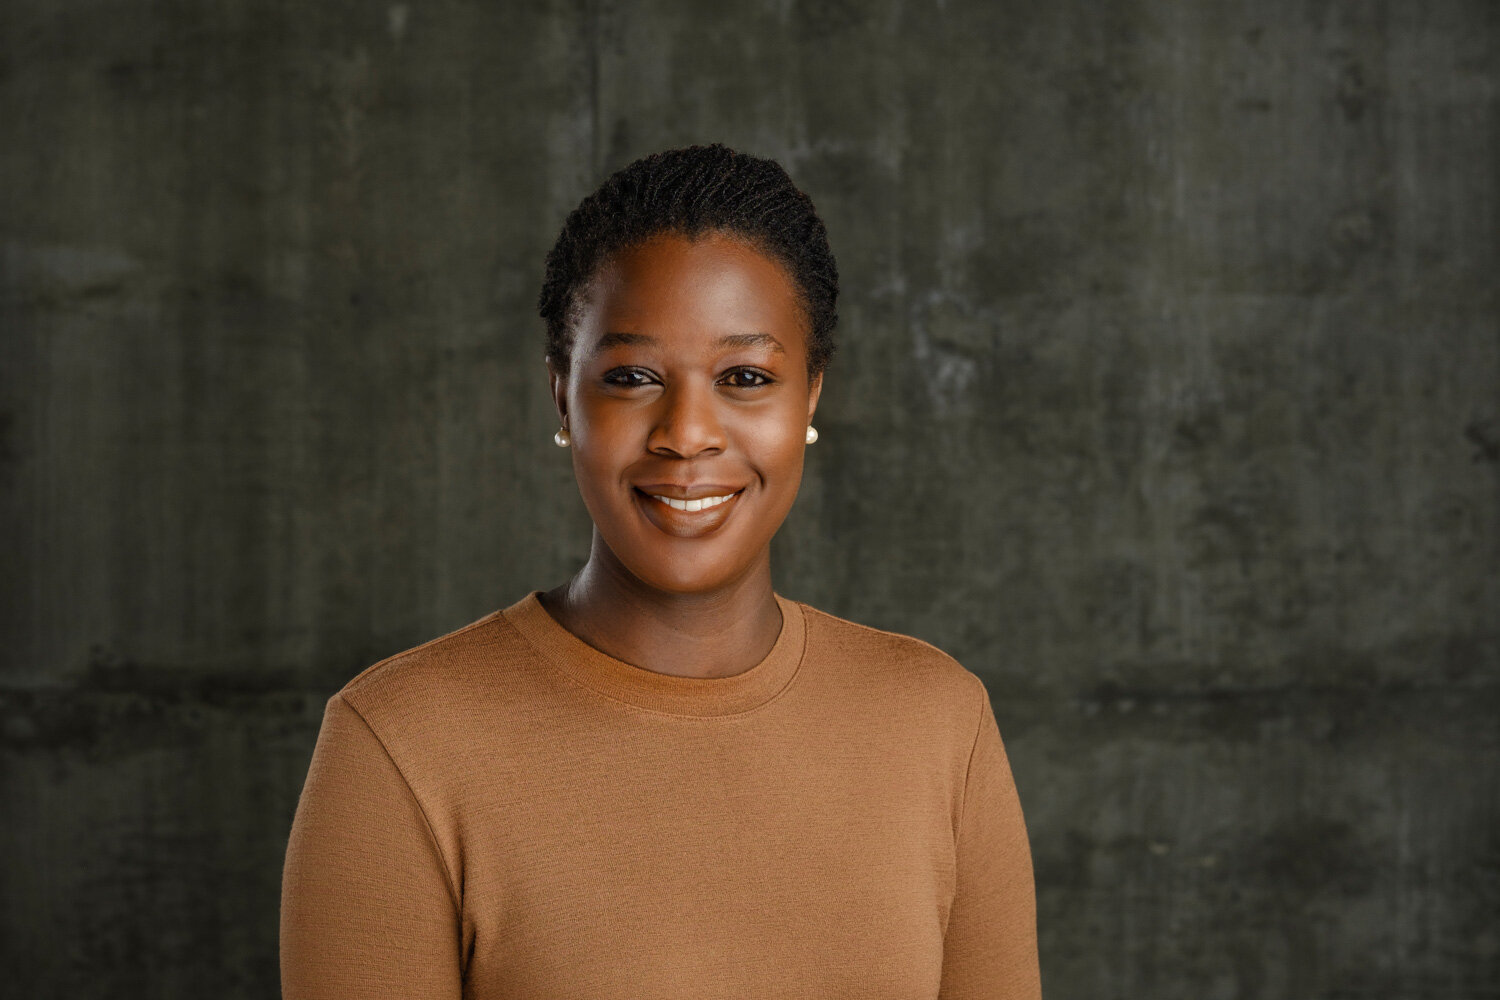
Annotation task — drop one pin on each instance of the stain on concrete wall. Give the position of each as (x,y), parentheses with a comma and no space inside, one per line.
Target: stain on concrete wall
(1168,401)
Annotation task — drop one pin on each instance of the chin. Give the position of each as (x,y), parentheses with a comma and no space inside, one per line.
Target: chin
(684,580)
(693,572)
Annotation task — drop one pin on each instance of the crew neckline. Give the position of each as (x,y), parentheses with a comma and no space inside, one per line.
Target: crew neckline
(669,693)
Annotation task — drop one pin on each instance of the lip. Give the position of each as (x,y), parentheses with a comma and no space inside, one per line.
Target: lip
(681,491)
(686,523)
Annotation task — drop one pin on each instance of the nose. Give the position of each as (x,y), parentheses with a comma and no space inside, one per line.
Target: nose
(687,423)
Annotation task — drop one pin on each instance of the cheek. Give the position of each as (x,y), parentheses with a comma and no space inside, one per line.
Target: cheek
(600,439)
(596,477)
(779,449)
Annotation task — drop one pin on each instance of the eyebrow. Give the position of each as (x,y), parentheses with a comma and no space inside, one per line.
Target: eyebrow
(728,340)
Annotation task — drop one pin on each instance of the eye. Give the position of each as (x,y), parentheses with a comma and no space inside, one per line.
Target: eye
(627,378)
(744,378)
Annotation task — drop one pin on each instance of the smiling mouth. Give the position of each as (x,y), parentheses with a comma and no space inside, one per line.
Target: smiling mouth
(688,516)
(703,503)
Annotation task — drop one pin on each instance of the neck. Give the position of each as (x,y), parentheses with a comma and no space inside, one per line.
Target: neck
(715,633)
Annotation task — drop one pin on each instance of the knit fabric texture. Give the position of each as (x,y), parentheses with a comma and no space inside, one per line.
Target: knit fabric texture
(509,812)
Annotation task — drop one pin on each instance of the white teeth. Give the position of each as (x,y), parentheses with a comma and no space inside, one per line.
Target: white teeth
(702,504)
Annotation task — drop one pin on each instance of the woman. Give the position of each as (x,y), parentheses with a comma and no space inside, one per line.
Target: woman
(662,779)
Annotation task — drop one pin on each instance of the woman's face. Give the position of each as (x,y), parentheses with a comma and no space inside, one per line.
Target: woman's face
(688,388)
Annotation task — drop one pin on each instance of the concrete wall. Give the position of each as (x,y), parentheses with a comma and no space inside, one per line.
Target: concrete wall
(1169,401)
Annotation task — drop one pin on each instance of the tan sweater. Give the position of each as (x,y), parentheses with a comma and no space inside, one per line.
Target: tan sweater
(508,812)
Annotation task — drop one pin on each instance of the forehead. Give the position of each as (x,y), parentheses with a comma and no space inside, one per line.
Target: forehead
(686,291)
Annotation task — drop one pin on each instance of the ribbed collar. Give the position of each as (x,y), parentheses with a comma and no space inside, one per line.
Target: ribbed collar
(691,696)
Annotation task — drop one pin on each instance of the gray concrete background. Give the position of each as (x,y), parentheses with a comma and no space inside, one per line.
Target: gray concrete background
(1169,402)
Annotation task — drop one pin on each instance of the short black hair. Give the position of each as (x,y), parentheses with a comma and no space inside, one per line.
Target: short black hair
(694,191)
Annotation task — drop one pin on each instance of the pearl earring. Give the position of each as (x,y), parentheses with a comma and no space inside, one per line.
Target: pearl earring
(812,434)
(562,438)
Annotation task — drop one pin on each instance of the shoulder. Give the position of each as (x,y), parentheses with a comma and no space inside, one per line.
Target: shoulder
(889,664)
(878,647)
(441,682)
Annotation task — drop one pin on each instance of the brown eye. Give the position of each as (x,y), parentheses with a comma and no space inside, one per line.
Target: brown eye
(627,378)
(745,378)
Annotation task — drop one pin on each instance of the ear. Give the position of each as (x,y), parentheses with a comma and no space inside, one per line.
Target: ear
(559,384)
(814,390)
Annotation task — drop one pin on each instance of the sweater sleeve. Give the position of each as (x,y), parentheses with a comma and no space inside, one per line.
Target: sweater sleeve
(990,946)
(367,908)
